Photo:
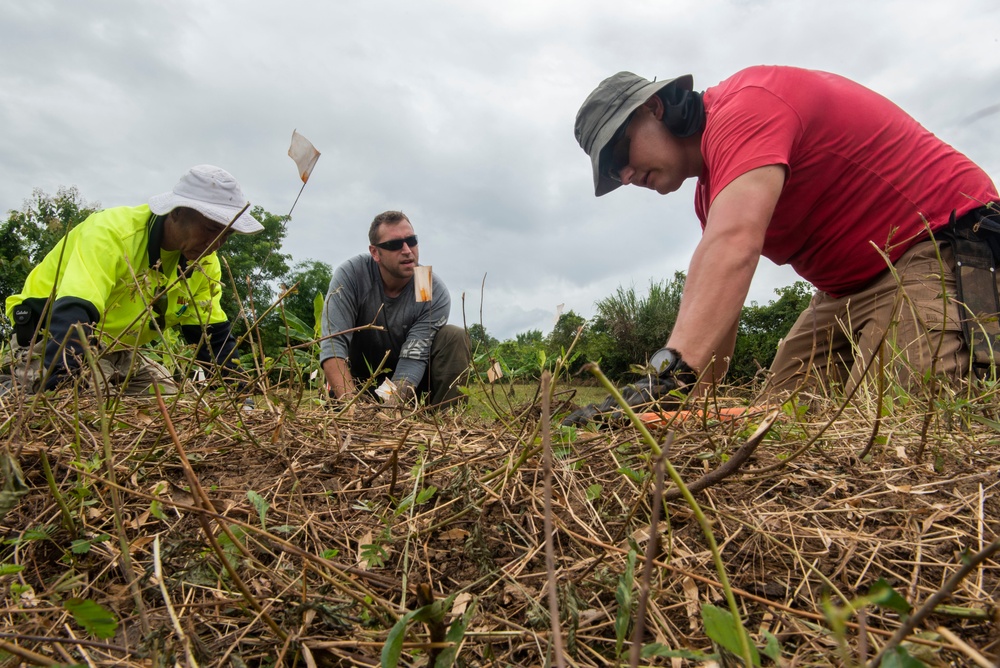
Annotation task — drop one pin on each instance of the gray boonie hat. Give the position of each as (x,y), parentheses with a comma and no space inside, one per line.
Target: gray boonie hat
(606,110)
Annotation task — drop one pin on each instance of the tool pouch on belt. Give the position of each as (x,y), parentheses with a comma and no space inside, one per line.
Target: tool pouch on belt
(975,239)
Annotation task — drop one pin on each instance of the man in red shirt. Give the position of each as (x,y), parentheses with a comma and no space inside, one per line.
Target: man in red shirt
(805,168)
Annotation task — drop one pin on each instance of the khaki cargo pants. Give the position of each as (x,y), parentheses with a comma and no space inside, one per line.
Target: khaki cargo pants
(833,340)
(127,371)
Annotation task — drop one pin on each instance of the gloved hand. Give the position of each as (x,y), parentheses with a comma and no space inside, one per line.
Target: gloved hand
(675,374)
(582,416)
(404,394)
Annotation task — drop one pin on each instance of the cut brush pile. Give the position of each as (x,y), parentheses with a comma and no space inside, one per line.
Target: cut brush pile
(296,535)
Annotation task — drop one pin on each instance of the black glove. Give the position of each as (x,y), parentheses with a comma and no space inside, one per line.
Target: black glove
(675,374)
(581,416)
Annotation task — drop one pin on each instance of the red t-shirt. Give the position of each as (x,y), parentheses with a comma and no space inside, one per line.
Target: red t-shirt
(859,171)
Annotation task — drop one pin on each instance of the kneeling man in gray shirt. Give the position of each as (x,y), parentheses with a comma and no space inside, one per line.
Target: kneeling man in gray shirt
(424,355)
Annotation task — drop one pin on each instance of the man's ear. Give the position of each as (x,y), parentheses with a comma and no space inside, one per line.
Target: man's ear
(655,106)
(374,253)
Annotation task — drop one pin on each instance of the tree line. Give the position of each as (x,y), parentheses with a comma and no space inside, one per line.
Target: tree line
(253,266)
(627,328)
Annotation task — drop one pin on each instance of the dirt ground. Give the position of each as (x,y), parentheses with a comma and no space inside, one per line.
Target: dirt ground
(299,535)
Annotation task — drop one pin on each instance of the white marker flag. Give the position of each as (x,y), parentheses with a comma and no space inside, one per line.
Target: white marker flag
(304,154)
(559,312)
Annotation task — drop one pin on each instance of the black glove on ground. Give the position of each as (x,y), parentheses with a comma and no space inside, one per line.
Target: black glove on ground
(676,375)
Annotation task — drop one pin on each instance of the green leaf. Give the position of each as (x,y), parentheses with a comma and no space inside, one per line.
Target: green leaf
(426,494)
(318,303)
(80,546)
(992,424)
(404,505)
(14,486)
(10,569)
(394,641)
(623,594)
(656,649)
(156,510)
(39,534)
(772,649)
(373,555)
(456,633)
(297,328)
(261,504)
(229,548)
(17,589)
(721,627)
(884,596)
(95,619)
(900,658)
(636,476)
(594,492)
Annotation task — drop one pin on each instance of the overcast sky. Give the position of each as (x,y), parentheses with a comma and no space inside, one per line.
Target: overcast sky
(460,113)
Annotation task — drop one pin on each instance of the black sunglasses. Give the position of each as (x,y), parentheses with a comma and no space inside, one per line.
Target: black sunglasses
(620,145)
(397,244)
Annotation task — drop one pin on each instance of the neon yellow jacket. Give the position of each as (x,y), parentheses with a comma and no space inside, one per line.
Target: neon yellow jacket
(113,262)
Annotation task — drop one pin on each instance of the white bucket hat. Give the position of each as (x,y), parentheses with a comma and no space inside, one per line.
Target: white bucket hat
(212,192)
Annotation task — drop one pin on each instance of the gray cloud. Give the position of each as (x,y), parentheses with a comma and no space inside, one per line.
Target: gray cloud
(459,113)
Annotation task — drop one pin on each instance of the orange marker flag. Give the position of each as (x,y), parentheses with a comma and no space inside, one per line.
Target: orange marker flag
(304,154)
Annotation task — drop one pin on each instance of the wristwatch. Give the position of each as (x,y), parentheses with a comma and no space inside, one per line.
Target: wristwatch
(663,359)
(668,361)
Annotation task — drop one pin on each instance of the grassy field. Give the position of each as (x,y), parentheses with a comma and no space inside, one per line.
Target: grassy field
(135,534)
(491,401)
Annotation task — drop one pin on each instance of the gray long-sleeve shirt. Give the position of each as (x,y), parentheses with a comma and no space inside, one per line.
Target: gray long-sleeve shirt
(357,298)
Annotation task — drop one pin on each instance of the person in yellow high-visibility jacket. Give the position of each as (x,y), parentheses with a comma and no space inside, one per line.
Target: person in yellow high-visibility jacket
(122,277)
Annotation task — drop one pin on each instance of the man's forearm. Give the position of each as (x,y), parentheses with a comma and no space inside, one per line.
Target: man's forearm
(717,285)
(409,371)
(723,266)
(338,377)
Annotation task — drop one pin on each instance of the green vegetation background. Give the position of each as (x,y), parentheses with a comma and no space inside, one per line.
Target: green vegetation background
(628,326)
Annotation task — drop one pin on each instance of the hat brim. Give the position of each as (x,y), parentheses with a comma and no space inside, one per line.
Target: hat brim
(164,203)
(600,150)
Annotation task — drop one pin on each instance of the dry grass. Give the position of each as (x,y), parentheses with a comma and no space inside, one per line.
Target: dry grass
(332,532)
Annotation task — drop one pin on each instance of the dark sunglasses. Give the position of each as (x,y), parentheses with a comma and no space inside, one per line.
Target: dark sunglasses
(397,244)
(620,144)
